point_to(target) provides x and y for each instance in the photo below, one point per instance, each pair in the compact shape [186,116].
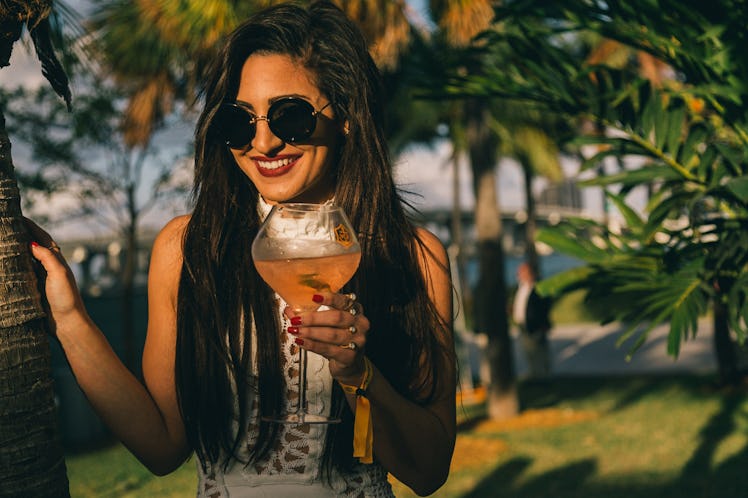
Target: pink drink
[296,280]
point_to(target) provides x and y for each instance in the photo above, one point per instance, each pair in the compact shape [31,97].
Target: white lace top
[292,466]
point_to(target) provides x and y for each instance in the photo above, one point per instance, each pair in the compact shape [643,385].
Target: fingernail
[296,320]
[299,341]
[34,243]
[293,330]
[317,298]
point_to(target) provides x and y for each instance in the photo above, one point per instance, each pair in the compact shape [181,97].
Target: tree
[534,139]
[470,131]
[689,250]
[485,128]
[81,157]
[31,458]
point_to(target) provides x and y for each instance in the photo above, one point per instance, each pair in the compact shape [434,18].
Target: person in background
[292,113]
[531,314]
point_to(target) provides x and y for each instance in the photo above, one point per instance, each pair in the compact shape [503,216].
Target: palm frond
[385,26]
[462,20]
[146,109]
[52,70]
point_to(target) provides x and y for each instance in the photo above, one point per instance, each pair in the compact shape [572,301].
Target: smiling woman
[286,167]
[292,114]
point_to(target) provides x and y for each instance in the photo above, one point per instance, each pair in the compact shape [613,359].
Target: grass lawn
[113,472]
[641,437]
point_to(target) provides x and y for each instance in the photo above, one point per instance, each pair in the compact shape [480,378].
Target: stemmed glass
[300,250]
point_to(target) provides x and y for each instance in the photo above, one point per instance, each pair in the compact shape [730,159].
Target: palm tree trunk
[531,254]
[724,347]
[466,297]
[31,457]
[490,297]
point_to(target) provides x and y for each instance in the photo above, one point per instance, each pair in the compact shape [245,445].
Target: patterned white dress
[292,467]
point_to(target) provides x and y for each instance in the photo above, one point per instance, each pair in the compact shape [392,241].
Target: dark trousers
[537,352]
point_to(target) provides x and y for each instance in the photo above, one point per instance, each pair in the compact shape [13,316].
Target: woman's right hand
[60,289]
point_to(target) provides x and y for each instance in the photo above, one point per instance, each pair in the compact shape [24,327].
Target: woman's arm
[144,417]
[413,442]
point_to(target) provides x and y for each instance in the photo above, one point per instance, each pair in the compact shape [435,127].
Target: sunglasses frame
[268,118]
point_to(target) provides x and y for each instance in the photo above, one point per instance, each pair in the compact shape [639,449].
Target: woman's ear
[346,128]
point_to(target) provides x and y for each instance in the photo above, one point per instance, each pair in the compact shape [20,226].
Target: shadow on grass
[716,468]
[574,481]
[501,482]
[630,389]
[729,478]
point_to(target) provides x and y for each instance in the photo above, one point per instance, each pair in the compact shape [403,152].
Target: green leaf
[570,245]
[668,205]
[631,178]
[706,165]
[676,117]
[661,126]
[649,113]
[739,187]
[556,284]
[632,218]
[696,137]
[733,157]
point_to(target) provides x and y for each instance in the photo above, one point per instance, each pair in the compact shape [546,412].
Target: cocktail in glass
[302,250]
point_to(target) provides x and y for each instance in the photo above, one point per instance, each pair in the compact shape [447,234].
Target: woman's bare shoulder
[169,240]
[432,246]
[172,234]
[166,255]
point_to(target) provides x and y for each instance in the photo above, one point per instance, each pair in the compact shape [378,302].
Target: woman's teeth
[278,163]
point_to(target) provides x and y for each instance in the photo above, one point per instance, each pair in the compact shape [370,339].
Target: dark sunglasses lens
[233,126]
[292,120]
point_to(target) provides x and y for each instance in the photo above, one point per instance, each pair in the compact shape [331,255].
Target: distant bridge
[513,224]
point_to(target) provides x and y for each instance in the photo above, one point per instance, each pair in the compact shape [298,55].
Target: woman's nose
[265,140]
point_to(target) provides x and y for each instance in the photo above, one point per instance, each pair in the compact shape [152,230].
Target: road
[591,349]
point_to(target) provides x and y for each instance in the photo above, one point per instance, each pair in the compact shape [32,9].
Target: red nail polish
[317,298]
[34,243]
[299,341]
[293,330]
[296,320]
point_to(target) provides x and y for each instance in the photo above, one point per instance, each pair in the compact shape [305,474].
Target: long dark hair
[221,295]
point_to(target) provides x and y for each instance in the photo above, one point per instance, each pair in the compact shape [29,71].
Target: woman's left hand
[338,334]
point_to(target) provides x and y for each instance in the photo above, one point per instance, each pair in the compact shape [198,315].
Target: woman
[293,113]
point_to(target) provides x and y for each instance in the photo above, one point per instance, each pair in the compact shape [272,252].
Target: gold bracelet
[363,431]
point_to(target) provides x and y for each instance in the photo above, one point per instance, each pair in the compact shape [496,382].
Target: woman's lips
[275,167]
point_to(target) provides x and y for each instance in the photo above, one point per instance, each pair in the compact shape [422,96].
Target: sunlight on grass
[114,472]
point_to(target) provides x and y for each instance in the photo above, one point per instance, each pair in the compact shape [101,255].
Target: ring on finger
[356,309]
[351,345]
[350,301]
[53,246]
[352,329]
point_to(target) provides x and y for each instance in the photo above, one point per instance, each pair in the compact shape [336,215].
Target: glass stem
[301,408]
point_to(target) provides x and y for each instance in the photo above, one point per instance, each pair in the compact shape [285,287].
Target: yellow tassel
[363,432]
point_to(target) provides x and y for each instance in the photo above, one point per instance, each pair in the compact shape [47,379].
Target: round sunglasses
[291,119]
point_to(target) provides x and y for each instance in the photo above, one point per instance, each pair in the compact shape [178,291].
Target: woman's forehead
[267,75]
